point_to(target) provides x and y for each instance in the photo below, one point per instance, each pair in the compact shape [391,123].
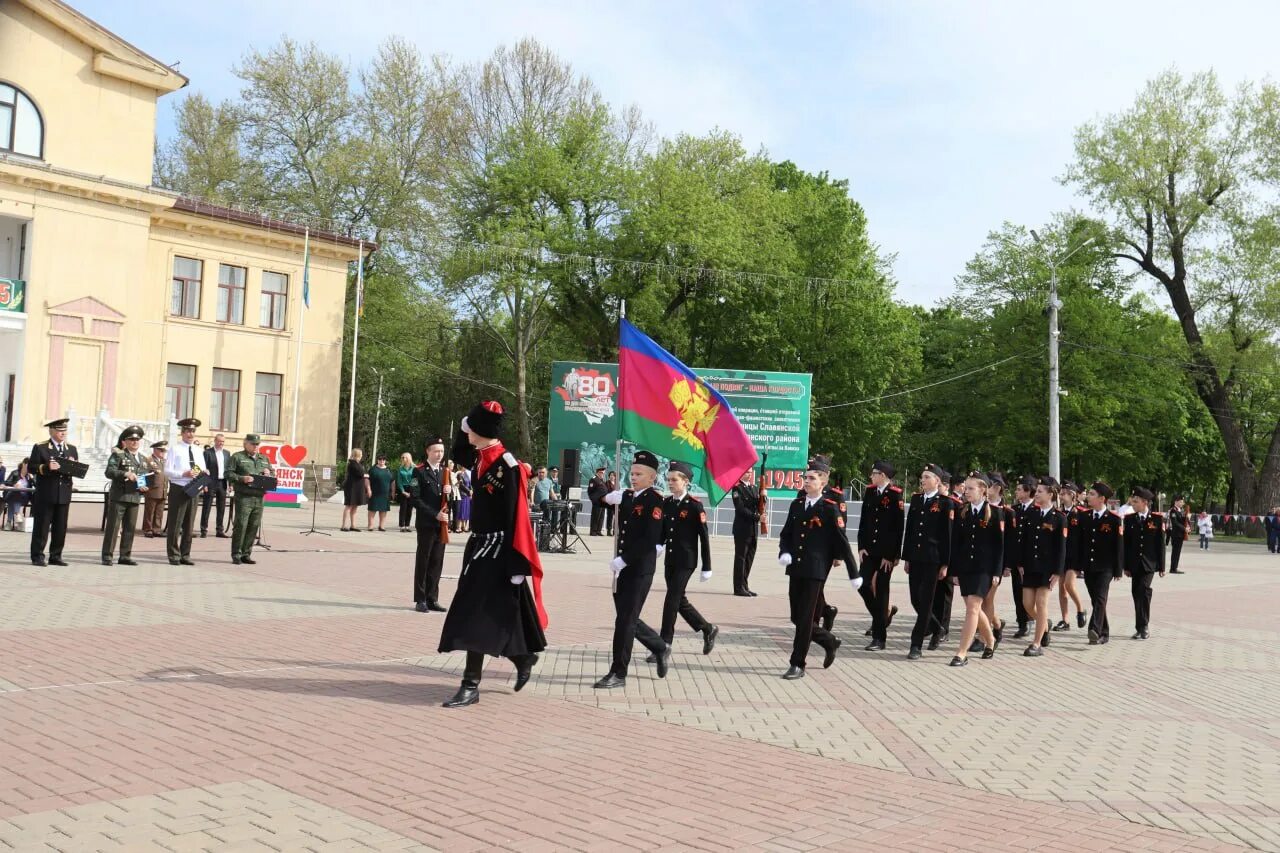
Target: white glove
[516,580]
[661,549]
[617,564]
[614,498]
[705,576]
[856,583]
[784,560]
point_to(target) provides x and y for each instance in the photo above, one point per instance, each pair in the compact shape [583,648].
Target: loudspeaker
[568,470]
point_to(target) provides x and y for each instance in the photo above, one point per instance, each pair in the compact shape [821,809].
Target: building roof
[199,207]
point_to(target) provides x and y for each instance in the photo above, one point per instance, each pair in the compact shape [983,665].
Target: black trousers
[805,594]
[677,604]
[428,563]
[923,582]
[215,494]
[597,519]
[942,597]
[182,519]
[1175,553]
[744,554]
[406,512]
[474,667]
[609,512]
[1141,588]
[1019,608]
[878,601]
[51,527]
[628,601]
[1099,586]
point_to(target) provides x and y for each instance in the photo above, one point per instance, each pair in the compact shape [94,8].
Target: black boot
[524,671]
[468,694]
[709,635]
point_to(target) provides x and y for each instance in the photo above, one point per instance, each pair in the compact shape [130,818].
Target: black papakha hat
[485,419]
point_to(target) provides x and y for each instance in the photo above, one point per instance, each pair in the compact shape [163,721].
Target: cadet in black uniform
[812,540]
[1179,528]
[977,558]
[945,593]
[427,490]
[1069,503]
[52,500]
[1009,560]
[926,550]
[1143,554]
[879,546]
[640,539]
[1044,550]
[1095,543]
[596,490]
[746,521]
[685,535]
[1023,494]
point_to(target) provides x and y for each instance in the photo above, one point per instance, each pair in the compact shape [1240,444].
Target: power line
[1165,360]
[994,364]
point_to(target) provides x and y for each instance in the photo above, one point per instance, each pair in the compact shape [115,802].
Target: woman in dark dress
[497,609]
[380,477]
[355,490]
[1044,552]
[977,559]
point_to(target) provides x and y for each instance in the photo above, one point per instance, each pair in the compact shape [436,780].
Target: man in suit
[746,525]
[879,546]
[127,473]
[812,539]
[429,491]
[596,490]
[1095,547]
[157,492]
[1143,554]
[216,461]
[183,467]
[640,543]
[52,500]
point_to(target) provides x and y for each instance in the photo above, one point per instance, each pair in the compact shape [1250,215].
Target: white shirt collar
[930,495]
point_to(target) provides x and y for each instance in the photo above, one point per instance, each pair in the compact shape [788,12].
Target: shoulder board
[1155,514]
[894,488]
[831,501]
[509,459]
[694,501]
[917,494]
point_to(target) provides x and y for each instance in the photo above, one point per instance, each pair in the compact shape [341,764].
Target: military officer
[1143,554]
[926,550]
[686,537]
[879,546]
[247,499]
[1095,547]
[746,522]
[52,500]
[1179,528]
[813,539]
[181,467]
[128,475]
[953,489]
[157,491]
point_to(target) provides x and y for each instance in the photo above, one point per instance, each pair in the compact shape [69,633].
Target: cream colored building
[139,306]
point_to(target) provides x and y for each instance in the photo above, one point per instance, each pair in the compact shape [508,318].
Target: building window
[275,296]
[231,294]
[266,403]
[184,300]
[21,128]
[180,390]
[225,403]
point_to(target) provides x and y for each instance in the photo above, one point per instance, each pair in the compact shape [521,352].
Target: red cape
[522,535]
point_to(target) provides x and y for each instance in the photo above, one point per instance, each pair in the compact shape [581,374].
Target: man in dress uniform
[945,593]
[181,467]
[127,473]
[746,523]
[596,490]
[157,492]
[216,461]
[1095,546]
[241,469]
[428,491]
[1143,554]
[686,537]
[879,546]
[1179,530]
[640,542]
[52,500]
[1023,494]
[812,540]
[926,551]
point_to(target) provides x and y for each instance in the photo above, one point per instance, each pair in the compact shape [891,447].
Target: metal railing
[102,431]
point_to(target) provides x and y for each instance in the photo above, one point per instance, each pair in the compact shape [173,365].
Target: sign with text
[772,407]
[286,463]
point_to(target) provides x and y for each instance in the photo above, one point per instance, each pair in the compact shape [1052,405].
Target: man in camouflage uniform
[248,499]
[127,472]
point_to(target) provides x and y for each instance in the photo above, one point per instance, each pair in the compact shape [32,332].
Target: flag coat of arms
[668,410]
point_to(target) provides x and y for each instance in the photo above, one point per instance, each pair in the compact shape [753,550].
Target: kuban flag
[668,410]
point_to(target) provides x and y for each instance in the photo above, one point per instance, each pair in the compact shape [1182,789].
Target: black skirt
[488,613]
[975,584]
[1035,580]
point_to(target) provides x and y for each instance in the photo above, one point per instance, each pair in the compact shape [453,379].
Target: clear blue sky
[947,118]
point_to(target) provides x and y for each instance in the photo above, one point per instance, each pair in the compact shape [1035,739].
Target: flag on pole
[667,409]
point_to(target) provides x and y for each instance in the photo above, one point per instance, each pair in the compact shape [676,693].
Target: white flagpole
[355,346]
[302,322]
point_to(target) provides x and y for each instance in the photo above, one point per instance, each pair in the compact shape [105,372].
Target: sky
[946,118]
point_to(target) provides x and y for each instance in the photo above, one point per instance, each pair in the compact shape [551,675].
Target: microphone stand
[315,500]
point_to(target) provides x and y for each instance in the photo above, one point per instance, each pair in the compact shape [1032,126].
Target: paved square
[294,705]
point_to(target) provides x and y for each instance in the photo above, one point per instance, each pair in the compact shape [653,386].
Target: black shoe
[610,681]
[989,653]
[186,561]
[1022,631]
[1141,635]
[464,697]
[976,646]
[999,634]
[663,662]
[248,560]
[875,646]
[420,606]
[58,561]
[793,673]
[434,607]
[1033,652]
[1176,572]
[173,562]
[742,593]
[752,593]
[893,611]
[1102,641]
[106,561]
[39,561]
[1061,626]
[959,661]
[223,535]
[1093,637]
[866,633]
[235,561]
[204,534]
[1044,641]
[934,642]
[829,618]
[830,656]
[709,638]
[126,561]
[523,673]
[914,654]
[1079,618]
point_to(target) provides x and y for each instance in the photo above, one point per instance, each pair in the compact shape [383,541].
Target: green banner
[772,407]
[12,294]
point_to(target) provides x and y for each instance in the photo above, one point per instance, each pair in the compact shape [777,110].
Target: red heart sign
[293,454]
